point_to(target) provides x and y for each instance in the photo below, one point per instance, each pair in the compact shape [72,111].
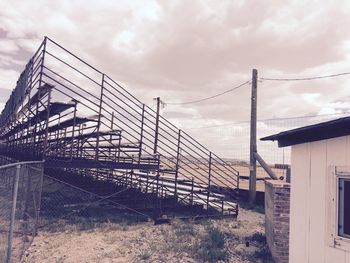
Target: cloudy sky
[188,50]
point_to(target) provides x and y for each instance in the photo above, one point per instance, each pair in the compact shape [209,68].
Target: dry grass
[2,253]
[182,241]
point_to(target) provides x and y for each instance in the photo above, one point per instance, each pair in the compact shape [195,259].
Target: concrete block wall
[277,207]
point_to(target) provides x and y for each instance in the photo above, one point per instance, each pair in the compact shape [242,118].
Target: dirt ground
[221,240]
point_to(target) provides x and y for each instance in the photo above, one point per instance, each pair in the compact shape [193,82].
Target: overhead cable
[211,97]
[271,119]
[307,78]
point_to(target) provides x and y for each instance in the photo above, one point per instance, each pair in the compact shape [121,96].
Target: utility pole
[253,147]
[157,126]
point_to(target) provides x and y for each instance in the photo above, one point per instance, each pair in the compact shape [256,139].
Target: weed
[179,237]
[211,247]
[60,260]
[145,255]
[124,228]
[259,209]
[182,228]
[263,254]
[236,225]
[110,227]
[2,254]
[86,224]
[132,219]
[254,207]
[111,238]
[257,237]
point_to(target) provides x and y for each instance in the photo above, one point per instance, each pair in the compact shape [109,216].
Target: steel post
[13,213]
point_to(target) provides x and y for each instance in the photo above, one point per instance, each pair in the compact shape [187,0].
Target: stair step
[54,109]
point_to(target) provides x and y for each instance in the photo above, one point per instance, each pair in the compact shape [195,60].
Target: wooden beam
[265,166]
[253,147]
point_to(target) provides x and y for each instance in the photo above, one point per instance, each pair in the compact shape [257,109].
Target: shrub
[211,247]
[86,224]
[257,237]
[182,228]
[145,255]
[263,254]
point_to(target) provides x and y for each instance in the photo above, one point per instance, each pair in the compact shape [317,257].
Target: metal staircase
[83,123]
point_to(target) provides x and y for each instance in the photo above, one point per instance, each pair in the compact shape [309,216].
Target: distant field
[222,178]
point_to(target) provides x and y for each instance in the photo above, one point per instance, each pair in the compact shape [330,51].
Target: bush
[257,237]
[183,228]
[264,254]
[86,224]
[145,255]
[211,247]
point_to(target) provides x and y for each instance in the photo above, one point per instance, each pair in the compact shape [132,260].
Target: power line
[270,119]
[307,78]
[211,97]
[261,79]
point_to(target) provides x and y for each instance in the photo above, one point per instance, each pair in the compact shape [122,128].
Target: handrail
[66,50]
[65,63]
[21,163]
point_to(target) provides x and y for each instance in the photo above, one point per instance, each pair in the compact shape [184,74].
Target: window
[344,207]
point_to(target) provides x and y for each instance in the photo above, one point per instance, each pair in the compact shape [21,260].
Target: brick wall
[277,205]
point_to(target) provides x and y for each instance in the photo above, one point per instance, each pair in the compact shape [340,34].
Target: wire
[307,78]
[271,119]
[211,97]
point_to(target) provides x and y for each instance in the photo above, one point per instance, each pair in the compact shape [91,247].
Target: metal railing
[118,127]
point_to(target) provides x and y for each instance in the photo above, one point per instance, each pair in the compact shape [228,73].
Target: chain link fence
[20,198]
[69,197]
[26,192]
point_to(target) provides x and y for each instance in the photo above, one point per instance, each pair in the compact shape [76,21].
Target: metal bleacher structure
[85,125]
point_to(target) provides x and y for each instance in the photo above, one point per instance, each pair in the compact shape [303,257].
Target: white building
[320,192]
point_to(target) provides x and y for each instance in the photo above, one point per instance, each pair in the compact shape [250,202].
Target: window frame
[332,209]
[341,204]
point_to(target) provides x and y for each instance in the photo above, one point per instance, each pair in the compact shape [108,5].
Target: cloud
[187,50]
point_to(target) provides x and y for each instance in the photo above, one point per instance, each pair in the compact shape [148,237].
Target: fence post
[99,119]
[177,161]
[209,183]
[73,128]
[47,125]
[39,91]
[141,133]
[192,189]
[157,205]
[39,198]
[13,213]
[156,128]
[253,148]
[288,173]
